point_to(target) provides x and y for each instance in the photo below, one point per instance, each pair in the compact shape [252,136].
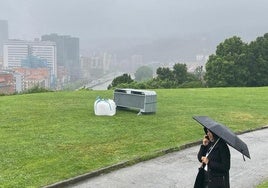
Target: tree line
[234,64]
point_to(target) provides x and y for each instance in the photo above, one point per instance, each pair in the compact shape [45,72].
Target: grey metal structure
[143,100]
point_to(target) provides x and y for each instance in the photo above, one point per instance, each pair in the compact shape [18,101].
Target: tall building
[18,51]
[67,53]
[47,51]
[3,34]
[96,66]
[14,52]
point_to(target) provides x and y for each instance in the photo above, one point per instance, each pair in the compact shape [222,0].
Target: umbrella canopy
[224,133]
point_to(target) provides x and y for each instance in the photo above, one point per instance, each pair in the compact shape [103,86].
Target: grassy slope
[263,185]
[49,137]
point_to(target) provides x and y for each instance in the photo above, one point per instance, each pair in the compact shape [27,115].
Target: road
[103,82]
[102,86]
[178,169]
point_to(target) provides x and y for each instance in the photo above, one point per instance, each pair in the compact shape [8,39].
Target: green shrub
[36,89]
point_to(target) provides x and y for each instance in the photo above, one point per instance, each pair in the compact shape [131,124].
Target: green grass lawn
[263,185]
[49,137]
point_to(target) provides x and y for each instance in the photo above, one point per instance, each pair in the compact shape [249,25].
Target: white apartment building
[46,50]
[15,51]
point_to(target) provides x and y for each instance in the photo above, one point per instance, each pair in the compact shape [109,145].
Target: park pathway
[178,169]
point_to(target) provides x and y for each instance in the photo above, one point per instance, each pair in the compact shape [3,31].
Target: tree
[258,61]
[231,47]
[199,73]
[180,73]
[143,73]
[213,71]
[164,73]
[165,78]
[242,73]
[228,66]
[125,78]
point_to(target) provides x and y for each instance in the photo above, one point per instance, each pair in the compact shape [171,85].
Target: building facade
[7,85]
[1,63]
[48,52]
[27,78]
[68,53]
[96,66]
[14,52]
[3,34]
[17,51]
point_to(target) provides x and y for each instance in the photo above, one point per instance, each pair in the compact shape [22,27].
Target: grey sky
[100,19]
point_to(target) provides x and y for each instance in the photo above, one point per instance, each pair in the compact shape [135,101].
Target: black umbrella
[224,133]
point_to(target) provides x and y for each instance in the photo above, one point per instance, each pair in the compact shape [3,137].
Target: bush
[36,89]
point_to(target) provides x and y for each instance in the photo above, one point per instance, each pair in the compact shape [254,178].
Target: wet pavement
[178,169]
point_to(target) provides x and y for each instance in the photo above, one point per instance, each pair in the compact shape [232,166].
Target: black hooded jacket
[218,165]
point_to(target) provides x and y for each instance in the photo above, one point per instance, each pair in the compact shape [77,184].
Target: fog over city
[160,30]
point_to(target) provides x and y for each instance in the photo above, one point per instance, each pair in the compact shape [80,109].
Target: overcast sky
[99,19]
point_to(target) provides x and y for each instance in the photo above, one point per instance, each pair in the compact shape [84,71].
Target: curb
[123,164]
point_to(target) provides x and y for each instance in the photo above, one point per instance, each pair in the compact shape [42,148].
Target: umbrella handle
[213,146]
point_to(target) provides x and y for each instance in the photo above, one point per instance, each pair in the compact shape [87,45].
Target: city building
[136,62]
[27,78]
[1,62]
[14,52]
[91,67]
[68,54]
[96,66]
[108,61]
[3,34]
[19,52]
[46,51]
[63,77]
[18,82]
[7,85]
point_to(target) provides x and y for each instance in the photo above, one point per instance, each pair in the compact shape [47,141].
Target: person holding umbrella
[214,155]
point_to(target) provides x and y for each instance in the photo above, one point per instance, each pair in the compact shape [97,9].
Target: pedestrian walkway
[178,169]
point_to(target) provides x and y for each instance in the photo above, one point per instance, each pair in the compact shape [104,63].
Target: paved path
[178,169]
